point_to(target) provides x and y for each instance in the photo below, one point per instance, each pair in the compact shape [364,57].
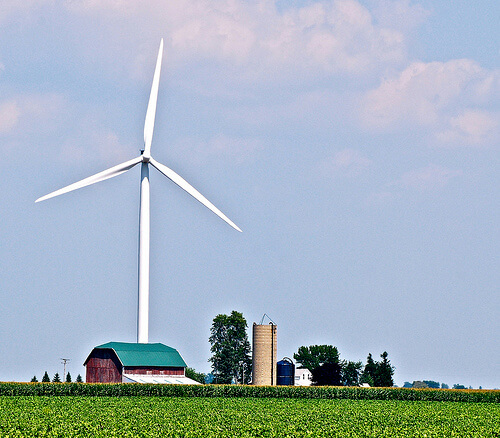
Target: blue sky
[354,142]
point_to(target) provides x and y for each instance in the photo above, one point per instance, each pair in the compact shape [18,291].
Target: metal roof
[143,355]
[164,380]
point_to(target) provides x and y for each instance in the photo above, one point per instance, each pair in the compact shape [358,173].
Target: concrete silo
[264,354]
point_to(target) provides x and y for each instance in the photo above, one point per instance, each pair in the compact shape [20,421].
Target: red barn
[117,362]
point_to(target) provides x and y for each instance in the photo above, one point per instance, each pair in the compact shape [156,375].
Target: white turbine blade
[101,176]
[182,183]
[151,111]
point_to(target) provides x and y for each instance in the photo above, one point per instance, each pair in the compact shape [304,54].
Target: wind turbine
[144,213]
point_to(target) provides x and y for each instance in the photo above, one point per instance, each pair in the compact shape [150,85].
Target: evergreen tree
[369,371]
[378,373]
[351,373]
[79,379]
[46,377]
[68,378]
[384,371]
[56,378]
[34,379]
[230,348]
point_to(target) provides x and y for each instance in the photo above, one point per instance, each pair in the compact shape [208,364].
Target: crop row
[242,417]
[229,391]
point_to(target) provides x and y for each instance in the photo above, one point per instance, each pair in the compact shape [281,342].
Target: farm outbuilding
[117,362]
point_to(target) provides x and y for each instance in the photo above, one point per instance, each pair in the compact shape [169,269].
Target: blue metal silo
[286,372]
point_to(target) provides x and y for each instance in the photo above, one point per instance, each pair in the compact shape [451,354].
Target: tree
[327,374]
[378,373]
[324,363]
[407,385]
[351,373]
[445,386]
[315,355]
[432,383]
[46,377]
[197,377]
[369,371]
[68,378]
[34,379]
[79,379]
[384,371]
[231,349]
[56,378]
[419,384]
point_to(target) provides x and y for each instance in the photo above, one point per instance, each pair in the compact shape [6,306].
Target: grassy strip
[322,392]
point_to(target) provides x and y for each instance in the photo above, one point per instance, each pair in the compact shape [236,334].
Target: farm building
[117,362]
[303,377]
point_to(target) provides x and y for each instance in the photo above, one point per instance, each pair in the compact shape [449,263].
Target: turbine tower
[144,211]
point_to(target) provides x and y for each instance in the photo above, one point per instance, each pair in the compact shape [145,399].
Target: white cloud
[473,127]
[46,115]
[332,36]
[420,92]
[337,36]
[9,115]
[434,94]
[23,115]
[425,179]
[428,178]
[29,111]
[345,163]
[42,106]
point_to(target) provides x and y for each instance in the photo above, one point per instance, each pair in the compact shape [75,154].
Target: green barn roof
[143,355]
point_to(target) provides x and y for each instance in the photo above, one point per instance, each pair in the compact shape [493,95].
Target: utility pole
[64,362]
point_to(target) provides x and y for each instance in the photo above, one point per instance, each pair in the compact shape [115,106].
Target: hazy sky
[356,143]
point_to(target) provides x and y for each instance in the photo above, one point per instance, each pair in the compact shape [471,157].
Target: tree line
[326,367]
[433,384]
[57,378]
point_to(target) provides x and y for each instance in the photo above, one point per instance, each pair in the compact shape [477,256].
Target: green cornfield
[135,416]
[230,391]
